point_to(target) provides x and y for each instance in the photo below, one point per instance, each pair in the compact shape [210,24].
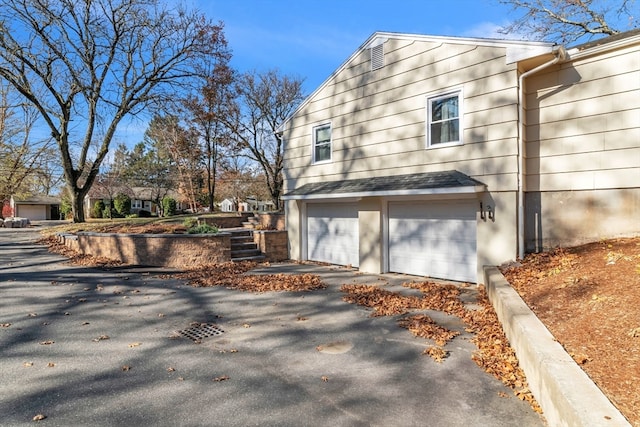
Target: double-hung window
[444,119]
[322,143]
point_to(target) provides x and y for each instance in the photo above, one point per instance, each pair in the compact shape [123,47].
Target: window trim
[314,134]
[440,95]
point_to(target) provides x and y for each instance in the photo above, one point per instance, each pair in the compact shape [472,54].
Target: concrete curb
[566,394]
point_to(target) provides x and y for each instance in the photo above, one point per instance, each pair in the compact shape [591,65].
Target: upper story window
[444,119]
[322,143]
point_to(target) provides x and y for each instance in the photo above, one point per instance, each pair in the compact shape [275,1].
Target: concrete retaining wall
[566,394]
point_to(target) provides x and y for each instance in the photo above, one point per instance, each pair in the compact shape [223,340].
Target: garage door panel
[436,239]
[332,233]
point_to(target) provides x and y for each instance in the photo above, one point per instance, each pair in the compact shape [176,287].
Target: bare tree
[208,109]
[266,99]
[566,21]
[86,64]
[23,158]
[182,146]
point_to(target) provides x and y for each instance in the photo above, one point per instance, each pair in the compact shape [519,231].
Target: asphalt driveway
[86,346]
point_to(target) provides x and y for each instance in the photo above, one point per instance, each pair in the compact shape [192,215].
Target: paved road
[55,359]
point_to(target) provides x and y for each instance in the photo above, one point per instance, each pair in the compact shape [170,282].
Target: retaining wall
[161,250]
[273,244]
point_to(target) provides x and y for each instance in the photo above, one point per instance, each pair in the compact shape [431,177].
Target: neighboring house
[142,198]
[36,208]
[227,205]
[435,156]
[249,205]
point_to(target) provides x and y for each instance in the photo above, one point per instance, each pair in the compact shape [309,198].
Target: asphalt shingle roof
[387,184]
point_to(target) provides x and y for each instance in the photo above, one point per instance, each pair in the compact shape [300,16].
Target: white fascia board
[576,53]
[471,189]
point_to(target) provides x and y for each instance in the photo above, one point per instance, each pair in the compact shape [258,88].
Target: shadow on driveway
[99,347]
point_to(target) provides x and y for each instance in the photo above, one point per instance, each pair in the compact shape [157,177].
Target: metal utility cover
[201,331]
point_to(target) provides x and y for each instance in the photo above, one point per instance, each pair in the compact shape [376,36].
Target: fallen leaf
[437,353]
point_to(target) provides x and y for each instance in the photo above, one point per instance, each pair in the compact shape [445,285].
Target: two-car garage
[419,224]
[436,238]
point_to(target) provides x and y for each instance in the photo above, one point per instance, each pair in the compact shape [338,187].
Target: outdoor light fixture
[490,213]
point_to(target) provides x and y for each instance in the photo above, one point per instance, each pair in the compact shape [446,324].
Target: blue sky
[312,38]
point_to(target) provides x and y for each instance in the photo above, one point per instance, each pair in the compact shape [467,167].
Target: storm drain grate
[201,331]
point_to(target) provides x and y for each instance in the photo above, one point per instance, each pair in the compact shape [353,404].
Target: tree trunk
[77,203]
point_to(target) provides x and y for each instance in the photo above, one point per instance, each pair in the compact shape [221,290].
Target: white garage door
[436,239]
[33,212]
[332,233]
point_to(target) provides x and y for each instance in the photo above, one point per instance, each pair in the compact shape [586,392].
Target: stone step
[241,245]
[256,258]
[240,253]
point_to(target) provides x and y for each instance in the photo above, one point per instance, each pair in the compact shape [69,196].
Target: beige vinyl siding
[378,118]
[583,124]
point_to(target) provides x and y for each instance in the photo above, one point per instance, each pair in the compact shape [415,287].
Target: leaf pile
[494,353]
[383,302]
[232,275]
[424,326]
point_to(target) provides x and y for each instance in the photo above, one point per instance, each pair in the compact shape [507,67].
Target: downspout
[560,55]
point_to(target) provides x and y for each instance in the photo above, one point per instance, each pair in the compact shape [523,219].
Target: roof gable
[516,50]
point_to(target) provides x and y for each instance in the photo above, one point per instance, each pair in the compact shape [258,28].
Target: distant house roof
[37,200]
[446,182]
[137,193]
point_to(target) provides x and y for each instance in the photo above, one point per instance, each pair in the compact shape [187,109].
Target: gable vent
[377,57]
